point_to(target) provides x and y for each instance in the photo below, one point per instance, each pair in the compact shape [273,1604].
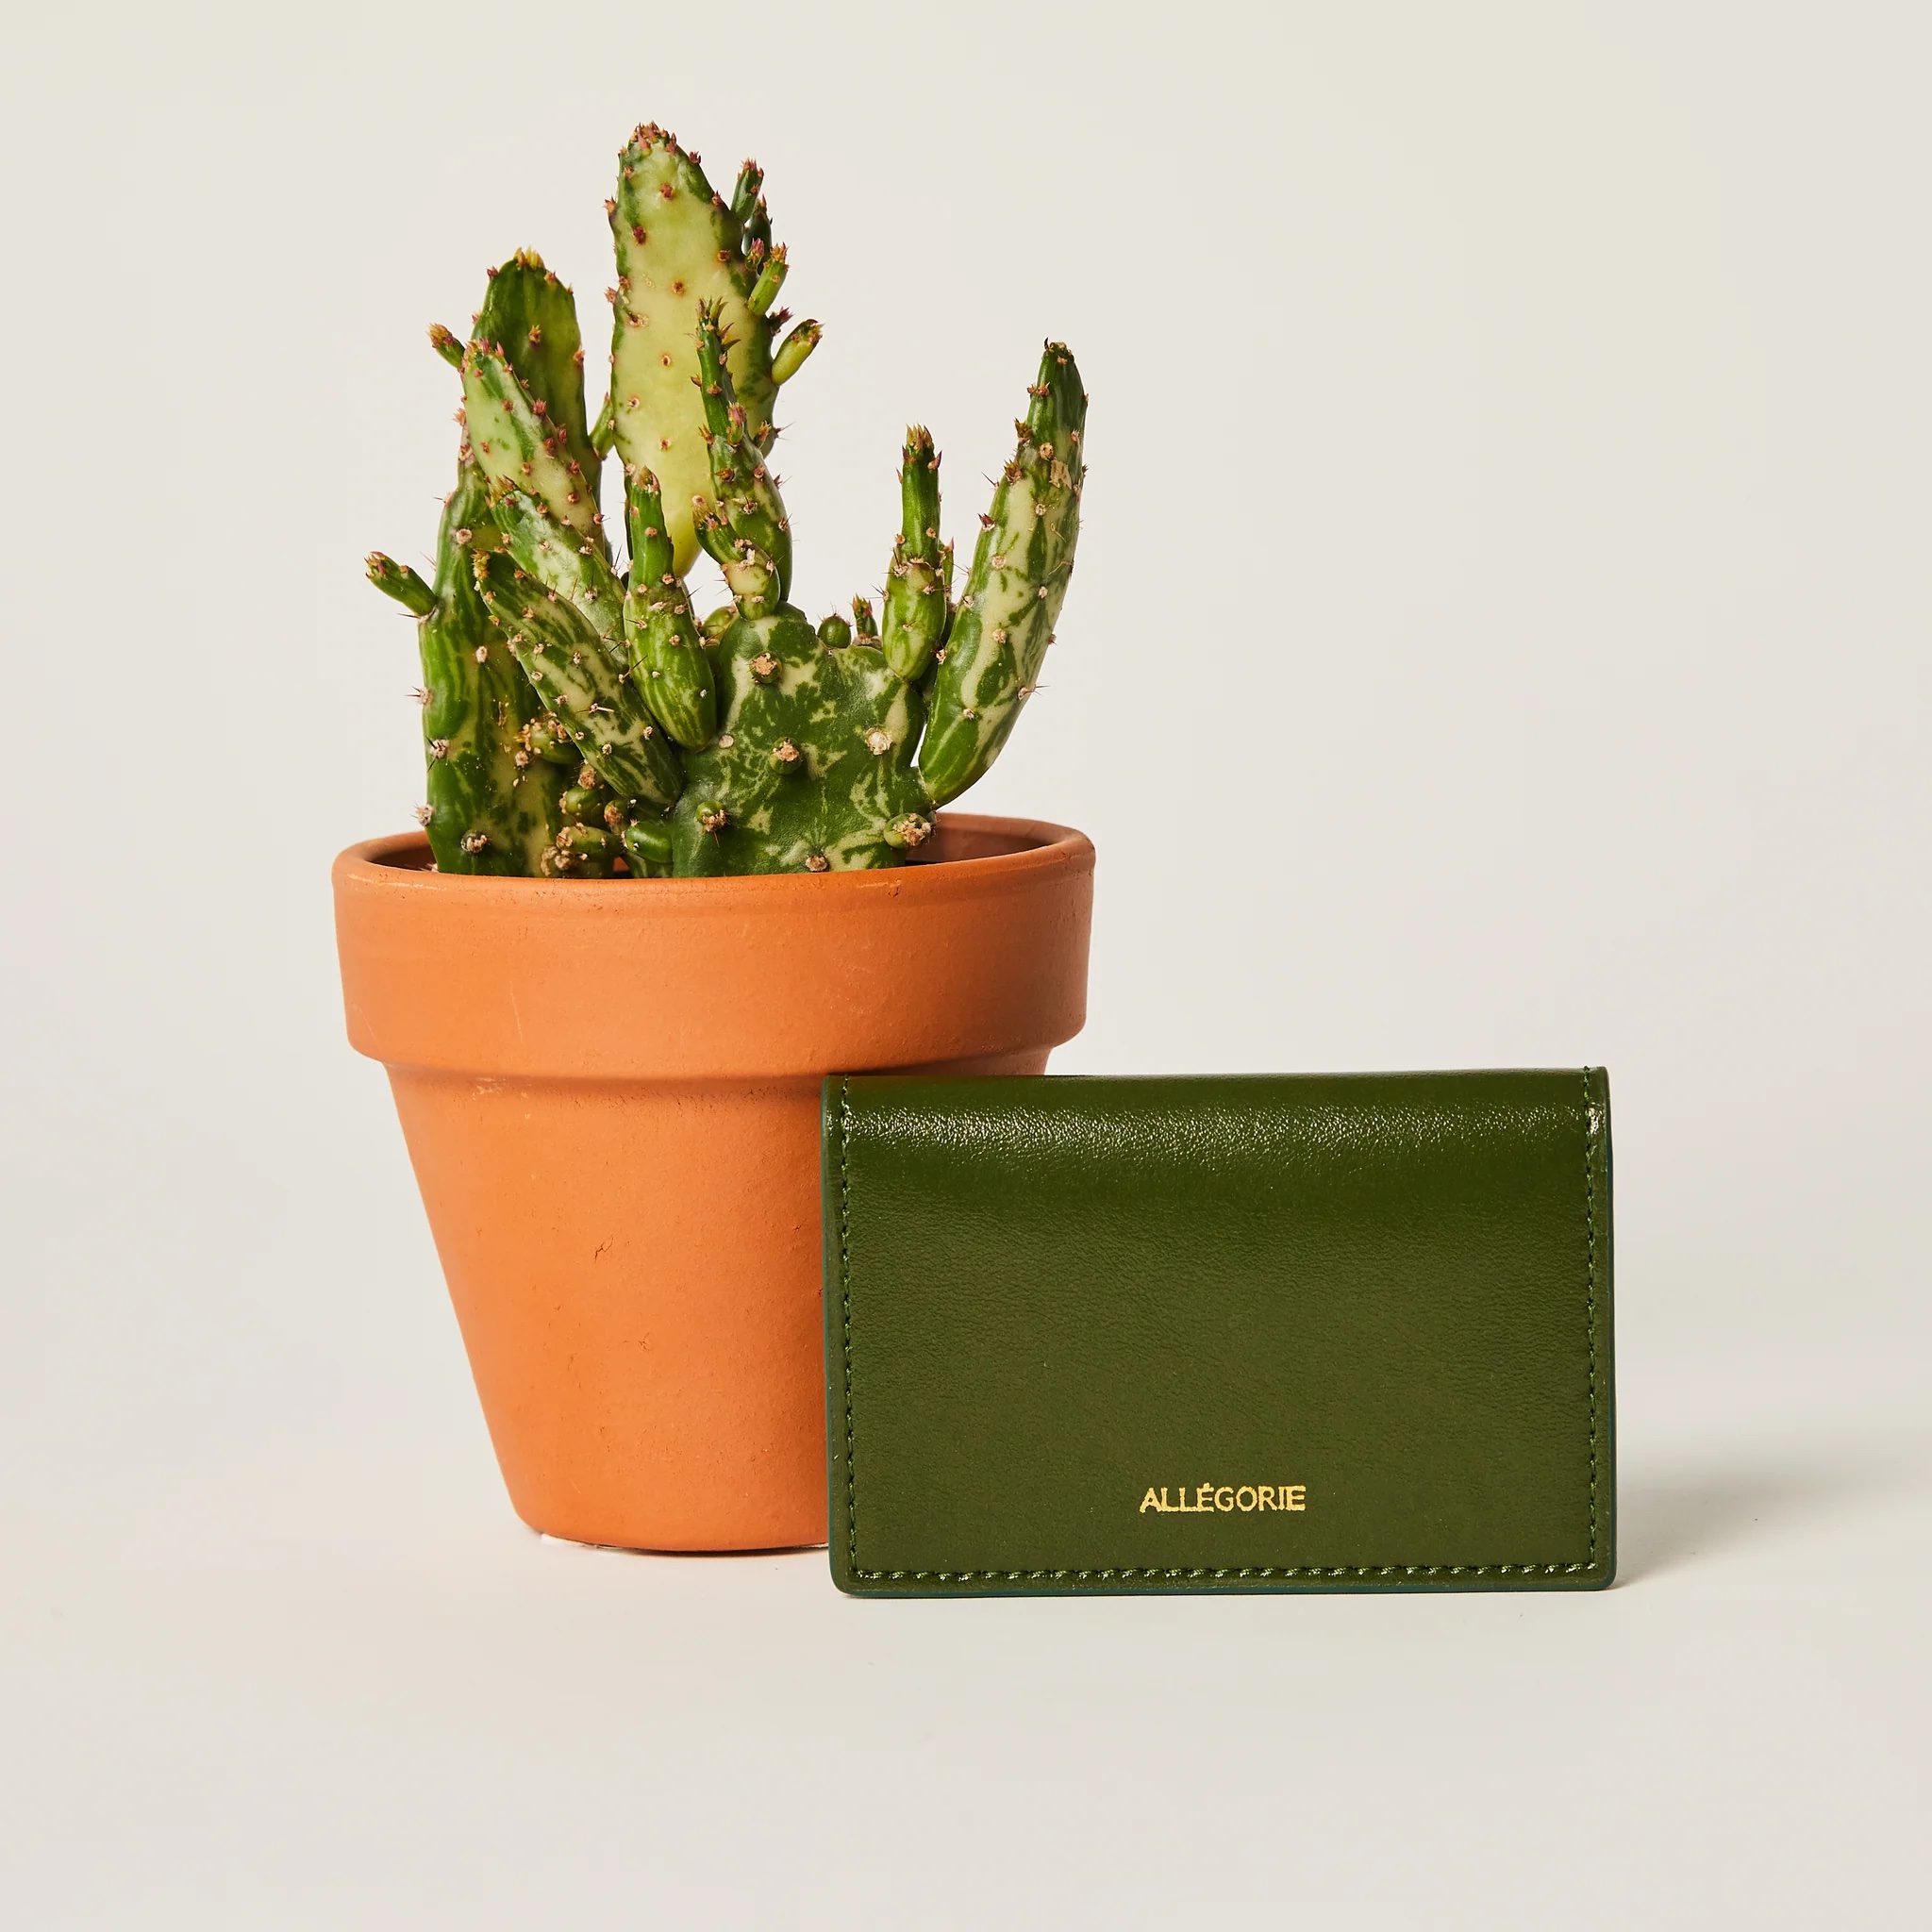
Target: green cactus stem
[771,272]
[492,803]
[746,529]
[1013,595]
[583,686]
[668,662]
[758,219]
[585,852]
[591,840]
[812,769]
[523,395]
[746,191]
[788,359]
[680,247]
[920,582]
[565,565]
[647,536]
[399,581]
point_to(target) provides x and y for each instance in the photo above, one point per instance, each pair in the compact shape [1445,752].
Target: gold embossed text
[1245,1497]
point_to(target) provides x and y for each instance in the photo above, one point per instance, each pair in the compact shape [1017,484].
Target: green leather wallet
[1324,1332]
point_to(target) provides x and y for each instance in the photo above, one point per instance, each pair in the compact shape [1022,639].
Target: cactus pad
[1019,580]
[523,395]
[680,247]
[812,769]
[492,807]
[583,683]
[668,655]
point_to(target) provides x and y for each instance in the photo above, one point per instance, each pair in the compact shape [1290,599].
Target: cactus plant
[579,719]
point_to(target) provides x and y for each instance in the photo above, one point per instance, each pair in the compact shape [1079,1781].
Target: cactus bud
[908,831]
[399,581]
[579,843]
[770,279]
[648,844]
[789,357]
[745,196]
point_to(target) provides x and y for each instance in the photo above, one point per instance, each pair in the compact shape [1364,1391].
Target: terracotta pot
[610,1095]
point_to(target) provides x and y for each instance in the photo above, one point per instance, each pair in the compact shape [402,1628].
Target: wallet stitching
[1589,1292]
[1200,1574]
[846,1311]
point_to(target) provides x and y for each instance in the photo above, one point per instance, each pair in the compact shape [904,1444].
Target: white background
[1500,637]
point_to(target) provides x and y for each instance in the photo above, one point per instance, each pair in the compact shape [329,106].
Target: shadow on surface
[1665,1521]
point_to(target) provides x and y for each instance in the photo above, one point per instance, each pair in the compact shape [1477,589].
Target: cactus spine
[595,728]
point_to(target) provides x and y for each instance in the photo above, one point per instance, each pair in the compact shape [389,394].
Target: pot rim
[772,976]
[394,863]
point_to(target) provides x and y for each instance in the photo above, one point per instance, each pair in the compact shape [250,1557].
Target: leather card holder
[1257,1333]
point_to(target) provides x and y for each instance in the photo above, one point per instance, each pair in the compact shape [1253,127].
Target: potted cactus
[673,870]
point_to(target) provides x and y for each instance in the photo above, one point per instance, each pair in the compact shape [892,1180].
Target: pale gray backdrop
[1500,637]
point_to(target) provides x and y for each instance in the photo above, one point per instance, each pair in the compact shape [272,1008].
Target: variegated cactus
[580,721]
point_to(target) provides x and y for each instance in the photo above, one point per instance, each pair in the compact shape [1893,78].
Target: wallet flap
[1246,1333]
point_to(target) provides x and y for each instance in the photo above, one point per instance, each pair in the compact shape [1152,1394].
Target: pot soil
[611,1096]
